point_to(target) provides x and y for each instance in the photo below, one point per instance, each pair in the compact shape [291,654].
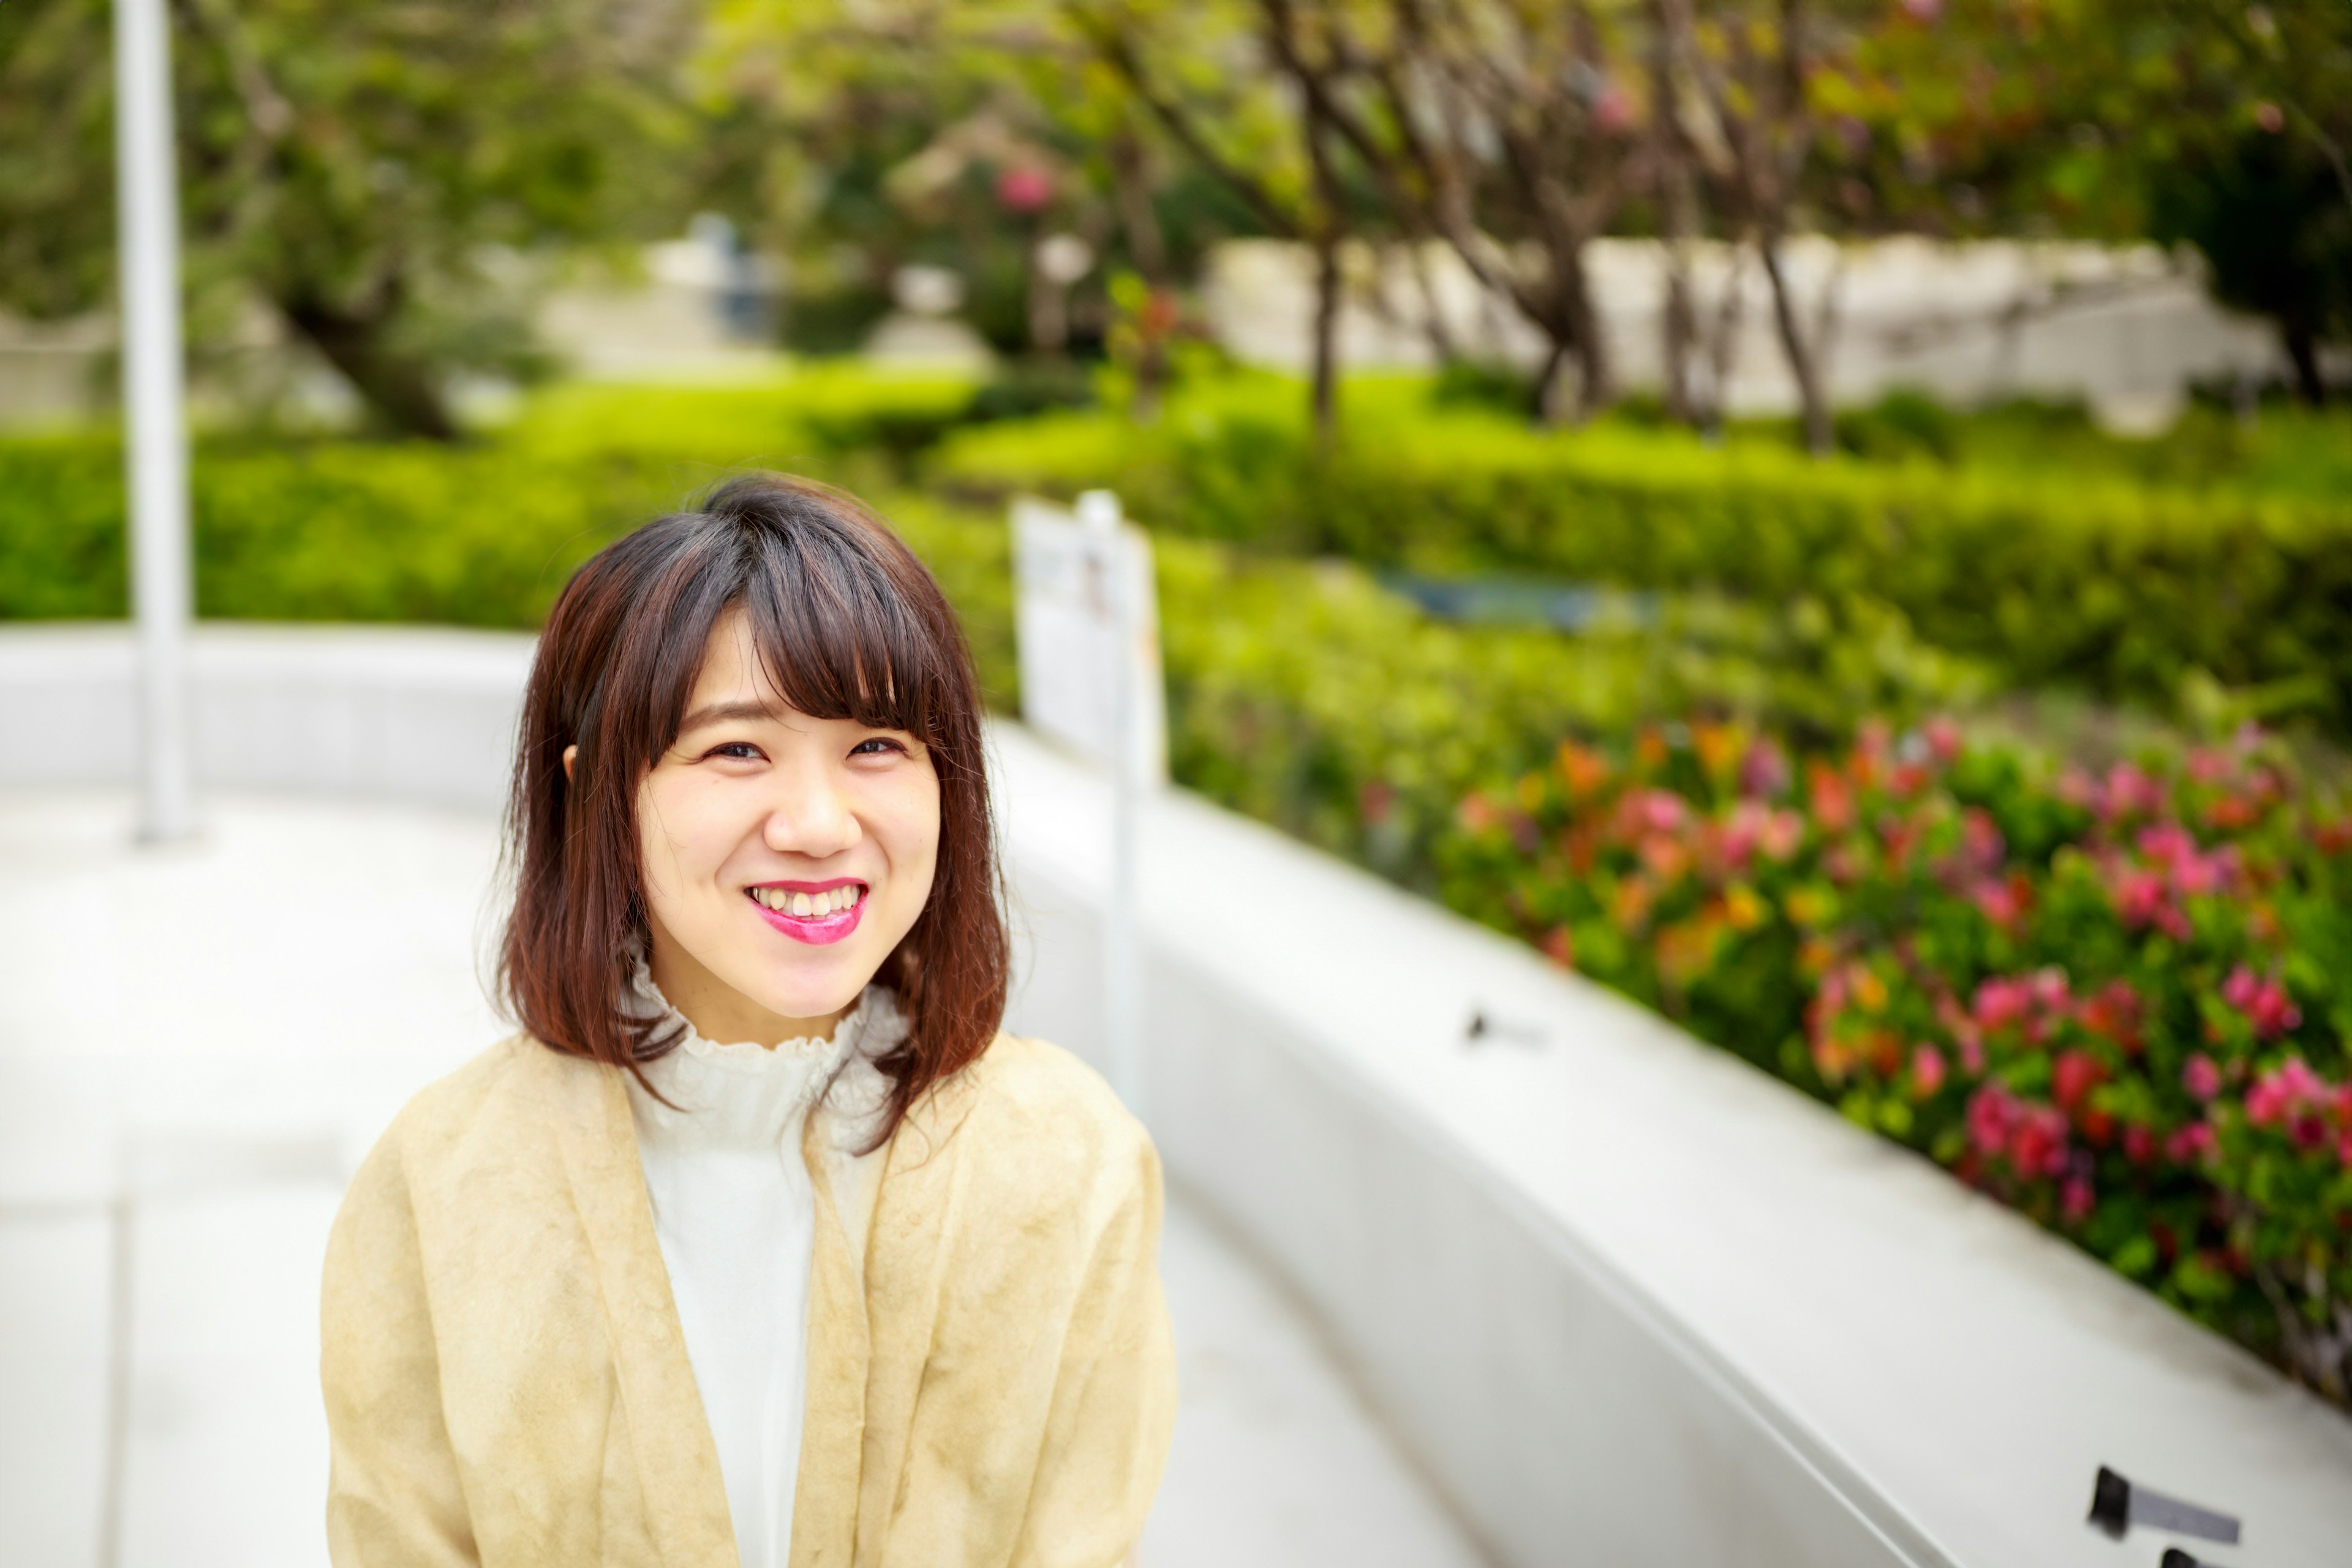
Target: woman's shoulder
[500,1099]
[1035,1115]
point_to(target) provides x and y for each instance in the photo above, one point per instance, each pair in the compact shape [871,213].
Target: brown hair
[848,625]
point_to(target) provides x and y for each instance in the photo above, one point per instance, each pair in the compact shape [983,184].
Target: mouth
[813,912]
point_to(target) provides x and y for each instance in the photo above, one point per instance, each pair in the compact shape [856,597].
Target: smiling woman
[760,1244]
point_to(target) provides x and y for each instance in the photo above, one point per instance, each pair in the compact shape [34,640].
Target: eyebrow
[726,712]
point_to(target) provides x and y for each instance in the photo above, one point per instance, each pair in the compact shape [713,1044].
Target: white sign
[1074,575]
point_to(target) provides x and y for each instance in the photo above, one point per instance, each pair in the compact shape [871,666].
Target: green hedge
[2077,578]
[477,534]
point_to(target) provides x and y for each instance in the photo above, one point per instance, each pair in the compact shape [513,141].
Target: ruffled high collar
[745,1094]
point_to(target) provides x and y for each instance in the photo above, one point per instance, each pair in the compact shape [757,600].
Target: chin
[805,995]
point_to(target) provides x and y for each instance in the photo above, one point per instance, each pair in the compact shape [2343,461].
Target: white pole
[1122,957]
[155,456]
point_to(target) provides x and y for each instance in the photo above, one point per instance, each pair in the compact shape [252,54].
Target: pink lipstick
[811,912]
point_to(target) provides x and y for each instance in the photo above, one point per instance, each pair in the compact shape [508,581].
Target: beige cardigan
[507,1381]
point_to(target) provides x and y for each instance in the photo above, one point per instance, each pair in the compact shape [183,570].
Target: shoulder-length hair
[848,625]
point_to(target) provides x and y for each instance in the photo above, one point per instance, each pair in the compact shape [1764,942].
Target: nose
[809,814]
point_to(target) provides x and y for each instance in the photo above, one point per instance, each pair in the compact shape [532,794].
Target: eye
[738,751]
[876,746]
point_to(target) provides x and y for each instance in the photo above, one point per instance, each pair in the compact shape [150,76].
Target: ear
[570,755]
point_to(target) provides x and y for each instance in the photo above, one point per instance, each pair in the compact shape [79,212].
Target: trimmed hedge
[479,535]
[2083,580]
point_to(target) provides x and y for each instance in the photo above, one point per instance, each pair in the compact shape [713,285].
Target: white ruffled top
[735,1211]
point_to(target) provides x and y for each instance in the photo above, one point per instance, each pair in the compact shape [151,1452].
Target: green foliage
[477,534]
[351,165]
[2122,589]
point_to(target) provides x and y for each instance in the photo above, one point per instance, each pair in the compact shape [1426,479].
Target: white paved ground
[220,1031]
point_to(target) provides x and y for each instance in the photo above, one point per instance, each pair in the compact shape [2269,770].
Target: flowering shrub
[2117,1002]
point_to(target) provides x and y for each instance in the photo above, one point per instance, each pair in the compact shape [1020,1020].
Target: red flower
[2075,1075]
[2038,1145]
[2113,1014]
[1832,800]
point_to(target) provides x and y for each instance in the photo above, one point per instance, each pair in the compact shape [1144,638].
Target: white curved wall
[1627,1300]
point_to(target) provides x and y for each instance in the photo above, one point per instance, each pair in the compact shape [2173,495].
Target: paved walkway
[220,1031]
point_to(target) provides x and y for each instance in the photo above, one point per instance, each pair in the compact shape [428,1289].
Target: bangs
[835,639]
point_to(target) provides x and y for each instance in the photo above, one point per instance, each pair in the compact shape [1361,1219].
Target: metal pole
[1122,958]
[155,456]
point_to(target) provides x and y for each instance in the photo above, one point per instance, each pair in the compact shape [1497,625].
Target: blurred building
[2126,330]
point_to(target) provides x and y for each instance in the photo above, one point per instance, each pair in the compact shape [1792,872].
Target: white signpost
[1087,618]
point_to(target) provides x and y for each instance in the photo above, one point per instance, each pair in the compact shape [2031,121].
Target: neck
[719,1013]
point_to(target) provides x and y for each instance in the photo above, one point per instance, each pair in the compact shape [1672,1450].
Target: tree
[351,164]
[1500,127]
[1201,72]
[2224,127]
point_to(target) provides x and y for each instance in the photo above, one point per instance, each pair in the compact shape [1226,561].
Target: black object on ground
[2116,1505]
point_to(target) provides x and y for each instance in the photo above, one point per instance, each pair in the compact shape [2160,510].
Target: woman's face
[784,857]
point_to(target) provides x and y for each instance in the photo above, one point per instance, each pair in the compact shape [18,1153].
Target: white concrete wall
[1626,1299]
[2126,329]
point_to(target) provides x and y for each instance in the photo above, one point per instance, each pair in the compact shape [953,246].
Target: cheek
[679,832]
[909,825]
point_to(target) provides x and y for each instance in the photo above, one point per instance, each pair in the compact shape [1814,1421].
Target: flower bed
[2118,1003]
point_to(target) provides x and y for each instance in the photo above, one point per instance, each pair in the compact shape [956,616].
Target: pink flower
[2076,1199]
[2130,792]
[1764,771]
[2000,1002]
[2190,1143]
[1783,834]
[2139,1143]
[1981,847]
[2292,1090]
[1943,738]
[1024,188]
[1926,1071]
[1654,811]
[2265,1003]
[1992,1110]
[2139,899]
[2001,902]
[2200,1077]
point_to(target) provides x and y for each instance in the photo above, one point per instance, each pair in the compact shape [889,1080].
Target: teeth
[807,905]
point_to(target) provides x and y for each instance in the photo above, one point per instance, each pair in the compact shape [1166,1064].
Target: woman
[761,1242]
